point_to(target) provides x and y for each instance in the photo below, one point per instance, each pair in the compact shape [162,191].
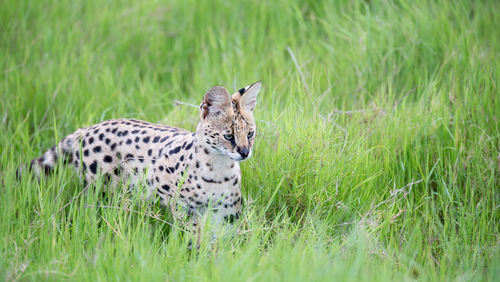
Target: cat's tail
[46,163]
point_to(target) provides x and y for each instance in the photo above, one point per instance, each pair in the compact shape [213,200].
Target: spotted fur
[196,171]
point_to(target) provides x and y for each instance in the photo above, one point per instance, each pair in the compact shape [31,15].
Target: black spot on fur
[156,139]
[129,141]
[210,180]
[150,152]
[101,136]
[166,187]
[113,146]
[97,149]
[146,139]
[93,167]
[231,218]
[175,150]
[107,141]
[91,140]
[189,146]
[84,166]
[107,159]
[86,152]
[47,169]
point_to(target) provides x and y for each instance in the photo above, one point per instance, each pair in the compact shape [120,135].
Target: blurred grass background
[377,153]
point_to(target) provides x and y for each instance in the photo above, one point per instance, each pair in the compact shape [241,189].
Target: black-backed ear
[216,102]
[247,96]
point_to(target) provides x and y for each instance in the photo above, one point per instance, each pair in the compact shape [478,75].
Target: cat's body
[192,170]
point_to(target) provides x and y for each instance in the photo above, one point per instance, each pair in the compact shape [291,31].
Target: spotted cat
[196,171]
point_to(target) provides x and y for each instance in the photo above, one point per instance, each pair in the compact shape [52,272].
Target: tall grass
[377,153]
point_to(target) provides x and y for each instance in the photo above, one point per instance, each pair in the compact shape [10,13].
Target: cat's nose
[243,152]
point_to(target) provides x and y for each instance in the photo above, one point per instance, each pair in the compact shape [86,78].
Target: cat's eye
[228,136]
[250,134]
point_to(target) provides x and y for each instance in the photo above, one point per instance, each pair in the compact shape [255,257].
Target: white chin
[235,157]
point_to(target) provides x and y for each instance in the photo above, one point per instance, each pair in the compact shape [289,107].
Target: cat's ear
[247,97]
[216,102]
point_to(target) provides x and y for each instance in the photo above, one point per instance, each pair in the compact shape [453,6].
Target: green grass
[379,162]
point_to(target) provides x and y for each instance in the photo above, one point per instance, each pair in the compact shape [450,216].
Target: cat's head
[227,124]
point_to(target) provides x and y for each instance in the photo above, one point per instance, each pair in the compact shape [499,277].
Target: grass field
[377,153]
